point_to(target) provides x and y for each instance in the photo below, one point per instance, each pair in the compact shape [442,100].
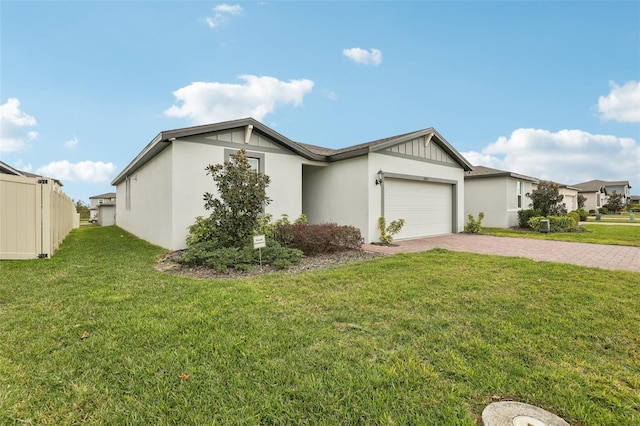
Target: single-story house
[417,176]
[108,199]
[597,192]
[499,194]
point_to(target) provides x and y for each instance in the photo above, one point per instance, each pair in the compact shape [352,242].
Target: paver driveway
[595,255]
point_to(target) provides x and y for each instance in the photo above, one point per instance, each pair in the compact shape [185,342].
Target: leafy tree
[83,209]
[546,198]
[240,200]
[581,201]
[615,203]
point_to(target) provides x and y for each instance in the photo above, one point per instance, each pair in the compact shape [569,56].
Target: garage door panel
[425,207]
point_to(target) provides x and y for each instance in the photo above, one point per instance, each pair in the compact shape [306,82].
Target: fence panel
[35,216]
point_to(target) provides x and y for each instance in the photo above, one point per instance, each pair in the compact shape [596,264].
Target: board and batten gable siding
[148,213]
[418,148]
[418,166]
[193,154]
[337,193]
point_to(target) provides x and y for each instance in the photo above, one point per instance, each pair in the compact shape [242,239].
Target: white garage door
[425,207]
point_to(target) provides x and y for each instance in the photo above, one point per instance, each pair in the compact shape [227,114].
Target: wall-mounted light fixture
[380,177]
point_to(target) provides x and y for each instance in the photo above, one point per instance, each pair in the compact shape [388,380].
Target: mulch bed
[168,263]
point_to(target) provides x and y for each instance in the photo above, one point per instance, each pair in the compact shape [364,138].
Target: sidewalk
[583,254]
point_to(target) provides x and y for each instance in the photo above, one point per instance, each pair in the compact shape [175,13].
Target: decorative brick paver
[594,255]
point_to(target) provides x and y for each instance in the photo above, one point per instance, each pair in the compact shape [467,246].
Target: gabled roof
[310,152]
[598,185]
[488,172]
[107,195]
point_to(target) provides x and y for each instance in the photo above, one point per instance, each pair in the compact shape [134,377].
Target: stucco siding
[337,193]
[490,197]
[190,182]
[148,214]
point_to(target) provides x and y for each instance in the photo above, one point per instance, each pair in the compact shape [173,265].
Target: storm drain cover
[512,413]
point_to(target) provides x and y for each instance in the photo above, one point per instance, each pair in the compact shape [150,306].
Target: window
[255,163]
[256,159]
[519,193]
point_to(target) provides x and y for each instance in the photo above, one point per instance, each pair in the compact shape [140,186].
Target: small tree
[581,201]
[388,231]
[615,203]
[546,198]
[83,209]
[241,198]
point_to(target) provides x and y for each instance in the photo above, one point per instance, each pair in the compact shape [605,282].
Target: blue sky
[548,89]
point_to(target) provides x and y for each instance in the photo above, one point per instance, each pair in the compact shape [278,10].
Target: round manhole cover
[512,413]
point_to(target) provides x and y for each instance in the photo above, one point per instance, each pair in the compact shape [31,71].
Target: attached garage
[427,206]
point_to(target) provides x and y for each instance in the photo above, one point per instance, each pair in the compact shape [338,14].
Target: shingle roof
[104,196]
[595,185]
[311,152]
[483,171]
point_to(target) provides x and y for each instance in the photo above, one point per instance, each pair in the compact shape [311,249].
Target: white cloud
[363,56]
[222,11]
[207,102]
[567,156]
[71,143]
[622,103]
[84,171]
[15,132]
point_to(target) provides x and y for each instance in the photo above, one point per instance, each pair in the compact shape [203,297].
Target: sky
[549,89]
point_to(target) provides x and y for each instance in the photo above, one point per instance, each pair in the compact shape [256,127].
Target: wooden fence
[35,216]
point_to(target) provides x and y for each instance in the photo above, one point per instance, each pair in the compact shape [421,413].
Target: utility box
[544,226]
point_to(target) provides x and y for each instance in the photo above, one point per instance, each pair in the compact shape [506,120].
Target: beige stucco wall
[149,216]
[337,193]
[497,197]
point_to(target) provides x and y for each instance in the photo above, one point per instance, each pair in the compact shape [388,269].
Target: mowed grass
[624,235]
[96,336]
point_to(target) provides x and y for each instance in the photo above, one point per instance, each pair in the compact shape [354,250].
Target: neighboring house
[597,192]
[416,176]
[570,196]
[498,194]
[108,203]
[35,214]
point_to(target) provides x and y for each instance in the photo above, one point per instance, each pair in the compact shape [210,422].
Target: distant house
[417,176]
[499,194]
[597,192]
[103,209]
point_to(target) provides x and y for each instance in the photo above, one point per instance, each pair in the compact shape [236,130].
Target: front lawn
[598,234]
[95,335]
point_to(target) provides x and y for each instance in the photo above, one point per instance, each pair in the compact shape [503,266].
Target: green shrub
[318,239]
[473,226]
[582,213]
[525,215]
[575,216]
[243,259]
[388,231]
[556,223]
[201,231]
[592,212]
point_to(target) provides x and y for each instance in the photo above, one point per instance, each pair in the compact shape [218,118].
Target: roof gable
[251,132]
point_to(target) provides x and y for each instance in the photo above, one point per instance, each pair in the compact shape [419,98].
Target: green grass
[616,218]
[425,338]
[598,234]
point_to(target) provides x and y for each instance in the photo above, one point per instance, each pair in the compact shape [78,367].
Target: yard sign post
[259,241]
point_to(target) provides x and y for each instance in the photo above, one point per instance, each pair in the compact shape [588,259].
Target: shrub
[318,239]
[221,259]
[202,230]
[556,223]
[592,212]
[525,215]
[575,216]
[582,213]
[473,226]
[388,231]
